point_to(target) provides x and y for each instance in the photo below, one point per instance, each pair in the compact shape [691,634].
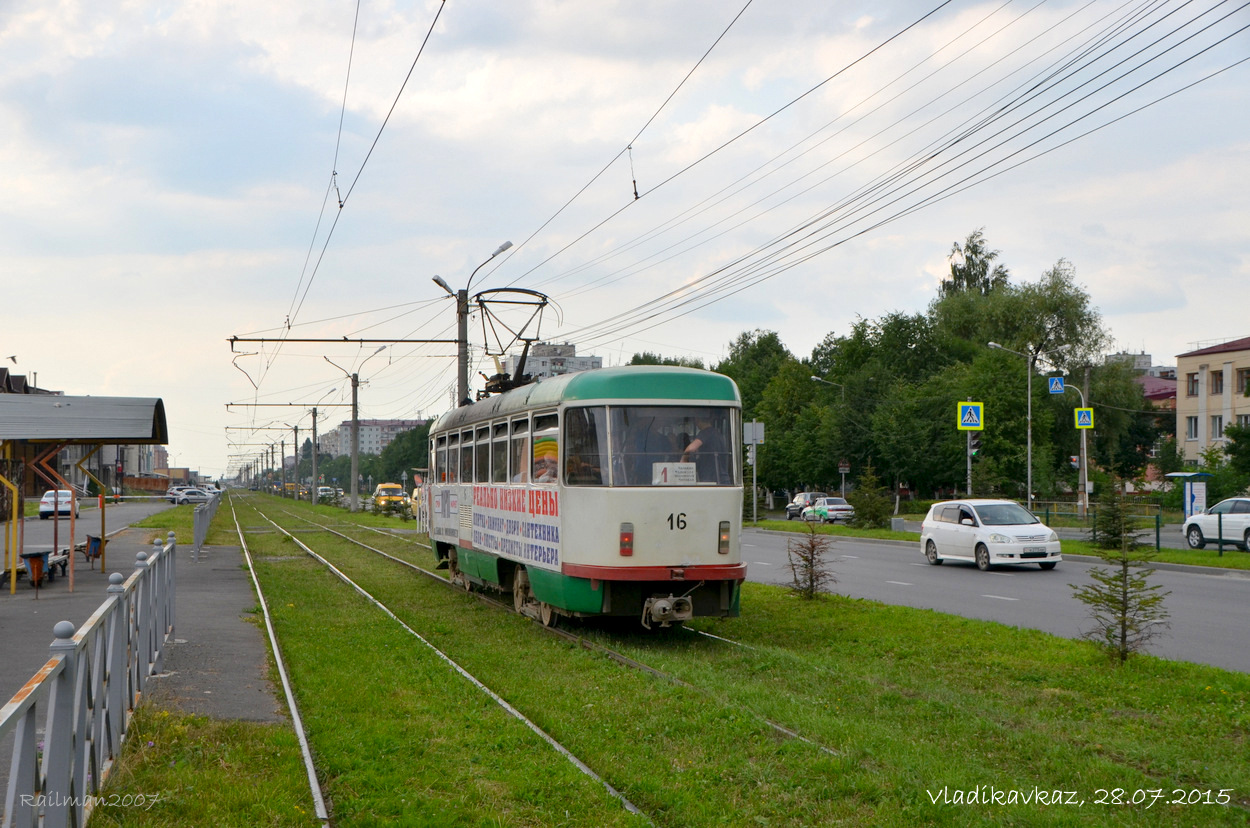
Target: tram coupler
[664,610]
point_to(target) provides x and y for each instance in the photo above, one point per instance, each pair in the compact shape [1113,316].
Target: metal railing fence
[202,517]
[85,695]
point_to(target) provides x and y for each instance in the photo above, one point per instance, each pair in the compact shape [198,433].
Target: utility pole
[296,427]
[355,445]
[282,460]
[312,488]
[462,327]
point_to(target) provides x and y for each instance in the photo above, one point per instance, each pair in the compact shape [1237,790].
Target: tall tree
[648,358]
[754,359]
[973,268]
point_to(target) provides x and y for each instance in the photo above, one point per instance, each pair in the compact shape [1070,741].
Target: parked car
[326,493]
[194,496]
[987,532]
[57,502]
[829,510]
[172,493]
[1231,517]
[801,501]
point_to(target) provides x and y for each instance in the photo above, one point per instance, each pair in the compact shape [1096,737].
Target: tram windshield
[650,446]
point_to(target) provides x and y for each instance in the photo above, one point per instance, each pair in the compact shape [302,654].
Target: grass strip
[920,706]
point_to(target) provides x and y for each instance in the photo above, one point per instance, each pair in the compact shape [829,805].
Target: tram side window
[440,460]
[499,454]
[483,455]
[546,448]
[453,457]
[520,455]
[585,436]
[466,457]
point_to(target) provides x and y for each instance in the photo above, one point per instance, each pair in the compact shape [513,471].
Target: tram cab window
[453,457]
[483,455]
[466,457]
[585,438]
[673,445]
[546,448]
[440,460]
[519,456]
[499,454]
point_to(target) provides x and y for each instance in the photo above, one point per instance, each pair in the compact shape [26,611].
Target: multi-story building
[375,435]
[1211,394]
[549,360]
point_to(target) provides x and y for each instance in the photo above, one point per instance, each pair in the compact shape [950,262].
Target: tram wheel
[520,590]
[547,615]
[456,576]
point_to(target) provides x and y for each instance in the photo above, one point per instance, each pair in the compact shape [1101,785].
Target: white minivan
[987,532]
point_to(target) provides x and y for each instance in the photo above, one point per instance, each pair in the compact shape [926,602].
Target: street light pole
[462,327]
[1031,358]
[1083,500]
[355,378]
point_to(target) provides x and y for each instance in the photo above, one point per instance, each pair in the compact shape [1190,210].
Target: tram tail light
[722,541]
[627,539]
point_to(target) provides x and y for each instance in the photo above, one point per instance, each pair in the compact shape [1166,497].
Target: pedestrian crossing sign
[1085,418]
[1056,385]
[970,418]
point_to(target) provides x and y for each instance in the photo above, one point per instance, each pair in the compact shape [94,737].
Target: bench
[45,562]
[6,573]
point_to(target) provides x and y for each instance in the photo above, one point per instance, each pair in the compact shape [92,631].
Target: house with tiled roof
[1212,393]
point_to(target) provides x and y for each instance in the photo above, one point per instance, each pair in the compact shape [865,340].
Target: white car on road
[57,501]
[1231,517]
[987,532]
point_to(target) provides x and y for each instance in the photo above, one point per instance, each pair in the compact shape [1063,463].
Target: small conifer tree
[808,566]
[1127,611]
[871,501]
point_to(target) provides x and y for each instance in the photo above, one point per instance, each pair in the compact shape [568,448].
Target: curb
[1192,569]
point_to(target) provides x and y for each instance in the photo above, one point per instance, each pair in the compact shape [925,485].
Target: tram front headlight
[627,539]
[722,541]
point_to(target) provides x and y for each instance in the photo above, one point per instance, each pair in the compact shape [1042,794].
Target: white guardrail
[84,697]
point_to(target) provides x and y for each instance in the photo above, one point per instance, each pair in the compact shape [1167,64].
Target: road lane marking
[900,583]
[1000,598]
[856,557]
[760,563]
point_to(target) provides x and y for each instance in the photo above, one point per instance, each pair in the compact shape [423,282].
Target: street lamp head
[438,280]
[994,345]
[501,248]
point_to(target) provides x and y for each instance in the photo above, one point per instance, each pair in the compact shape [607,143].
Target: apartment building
[1211,394]
[375,435]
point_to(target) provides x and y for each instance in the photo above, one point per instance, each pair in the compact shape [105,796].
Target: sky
[670,175]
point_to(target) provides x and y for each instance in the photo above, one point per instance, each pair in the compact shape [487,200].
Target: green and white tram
[609,492]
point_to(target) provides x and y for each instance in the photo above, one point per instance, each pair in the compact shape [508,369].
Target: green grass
[912,701]
[1233,558]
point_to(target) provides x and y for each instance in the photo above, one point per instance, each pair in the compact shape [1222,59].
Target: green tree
[407,451]
[754,359]
[973,268]
[648,358]
[1238,451]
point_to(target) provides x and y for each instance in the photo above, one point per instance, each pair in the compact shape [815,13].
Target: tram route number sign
[673,474]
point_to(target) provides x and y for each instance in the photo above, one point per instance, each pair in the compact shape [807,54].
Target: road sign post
[970,417]
[753,435]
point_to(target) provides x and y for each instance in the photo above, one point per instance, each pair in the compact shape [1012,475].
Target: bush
[871,500]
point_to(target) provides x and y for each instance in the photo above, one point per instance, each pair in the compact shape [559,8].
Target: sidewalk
[217,664]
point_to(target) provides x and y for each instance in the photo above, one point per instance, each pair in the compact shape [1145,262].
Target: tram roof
[627,382]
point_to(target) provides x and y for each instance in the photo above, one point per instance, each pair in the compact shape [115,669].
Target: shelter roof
[55,418]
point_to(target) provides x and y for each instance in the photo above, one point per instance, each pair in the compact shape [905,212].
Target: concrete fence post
[115,658]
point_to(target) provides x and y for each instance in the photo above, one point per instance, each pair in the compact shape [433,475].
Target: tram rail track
[478,684]
[571,637]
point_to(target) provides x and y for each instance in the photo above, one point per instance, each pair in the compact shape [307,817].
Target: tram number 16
[677,521]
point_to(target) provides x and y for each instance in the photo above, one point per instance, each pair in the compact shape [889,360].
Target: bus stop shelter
[49,423]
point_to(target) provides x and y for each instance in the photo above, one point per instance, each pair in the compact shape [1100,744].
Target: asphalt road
[1209,609]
